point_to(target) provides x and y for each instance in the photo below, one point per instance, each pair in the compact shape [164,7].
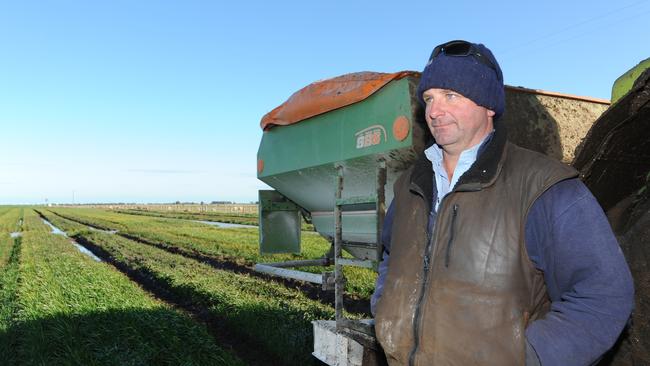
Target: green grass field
[59,307]
[169,291]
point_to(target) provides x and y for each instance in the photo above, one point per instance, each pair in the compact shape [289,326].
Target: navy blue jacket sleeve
[569,238]
[386,233]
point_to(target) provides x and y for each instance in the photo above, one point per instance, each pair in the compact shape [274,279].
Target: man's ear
[490,113]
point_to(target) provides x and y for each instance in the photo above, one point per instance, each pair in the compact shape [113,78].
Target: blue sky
[158,101]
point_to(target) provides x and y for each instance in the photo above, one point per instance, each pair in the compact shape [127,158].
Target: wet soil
[245,348]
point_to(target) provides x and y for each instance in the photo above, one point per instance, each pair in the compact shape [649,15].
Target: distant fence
[234,208]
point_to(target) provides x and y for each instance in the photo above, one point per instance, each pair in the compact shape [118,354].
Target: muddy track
[312,291]
[244,347]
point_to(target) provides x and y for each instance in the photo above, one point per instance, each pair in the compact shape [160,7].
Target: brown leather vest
[465,296]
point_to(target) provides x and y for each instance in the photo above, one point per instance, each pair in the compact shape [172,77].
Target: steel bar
[290,273]
[338,241]
[355,263]
[300,263]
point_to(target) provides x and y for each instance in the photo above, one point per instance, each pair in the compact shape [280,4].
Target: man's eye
[451,95]
[427,100]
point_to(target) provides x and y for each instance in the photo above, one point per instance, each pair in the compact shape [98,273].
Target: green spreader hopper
[340,159]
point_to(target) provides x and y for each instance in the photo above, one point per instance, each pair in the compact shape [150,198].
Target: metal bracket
[356,263]
[279,269]
[328,281]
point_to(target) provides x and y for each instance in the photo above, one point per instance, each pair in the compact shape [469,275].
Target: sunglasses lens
[458,49]
[453,48]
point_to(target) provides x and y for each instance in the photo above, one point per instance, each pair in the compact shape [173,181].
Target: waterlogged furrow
[73,310]
[68,226]
[237,245]
[275,317]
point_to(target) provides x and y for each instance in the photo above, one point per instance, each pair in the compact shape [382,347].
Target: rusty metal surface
[556,94]
[326,95]
[551,123]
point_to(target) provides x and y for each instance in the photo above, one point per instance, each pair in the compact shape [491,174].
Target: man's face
[456,122]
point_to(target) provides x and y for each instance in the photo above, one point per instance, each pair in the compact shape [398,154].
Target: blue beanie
[468,76]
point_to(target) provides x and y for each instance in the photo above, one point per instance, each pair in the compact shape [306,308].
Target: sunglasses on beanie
[461,48]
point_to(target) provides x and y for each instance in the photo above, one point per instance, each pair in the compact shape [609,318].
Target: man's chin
[443,139]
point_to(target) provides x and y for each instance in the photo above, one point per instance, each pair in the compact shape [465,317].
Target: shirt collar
[435,155]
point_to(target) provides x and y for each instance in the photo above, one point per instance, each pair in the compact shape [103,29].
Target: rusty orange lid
[326,95]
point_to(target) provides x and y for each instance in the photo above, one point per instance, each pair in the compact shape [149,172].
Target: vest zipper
[452,230]
[428,250]
[416,320]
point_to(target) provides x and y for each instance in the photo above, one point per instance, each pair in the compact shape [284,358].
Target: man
[495,255]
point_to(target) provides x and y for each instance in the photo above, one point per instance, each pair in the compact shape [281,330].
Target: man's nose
[434,110]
